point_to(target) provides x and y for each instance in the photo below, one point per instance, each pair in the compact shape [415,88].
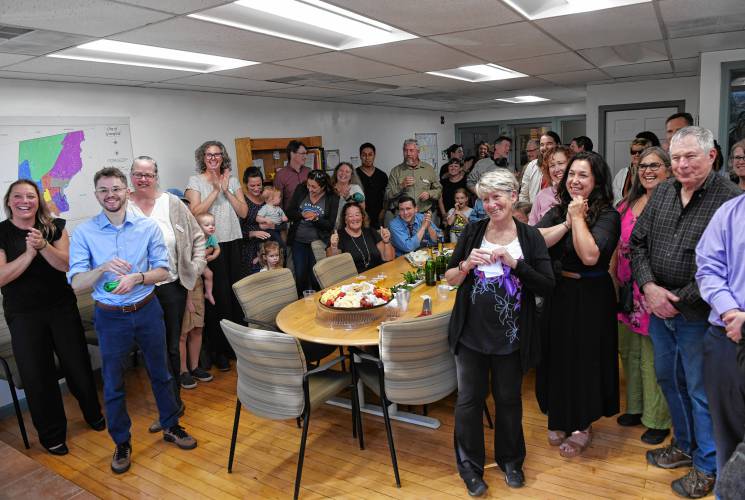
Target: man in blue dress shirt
[128,253]
[411,229]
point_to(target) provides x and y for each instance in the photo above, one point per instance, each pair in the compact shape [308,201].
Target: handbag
[626,298]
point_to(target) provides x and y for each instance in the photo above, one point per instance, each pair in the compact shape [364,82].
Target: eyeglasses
[114,190]
[143,175]
[636,153]
[738,158]
[654,167]
[210,156]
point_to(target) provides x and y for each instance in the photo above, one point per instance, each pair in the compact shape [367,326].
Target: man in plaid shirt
[663,261]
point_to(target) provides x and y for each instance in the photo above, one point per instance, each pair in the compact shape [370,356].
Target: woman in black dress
[500,264]
[368,247]
[42,315]
[578,378]
[253,233]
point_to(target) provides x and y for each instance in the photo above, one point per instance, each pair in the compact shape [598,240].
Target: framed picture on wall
[332,159]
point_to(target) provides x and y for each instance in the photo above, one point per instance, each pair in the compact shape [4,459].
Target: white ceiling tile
[633,23]
[228,82]
[81,17]
[554,63]
[6,59]
[215,39]
[65,78]
[417,54]
[312,92]
[652,68]
[512,41]
[195,88]
[687,65]
[41,42]
[430,17]
[695,17]
[52,66]
[263,72]
[178,6]
[683,48]
[339,63]
[576,77]
[631,53]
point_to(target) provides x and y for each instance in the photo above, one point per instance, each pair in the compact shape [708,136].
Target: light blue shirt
[478,212]
[139,241]
[402,241]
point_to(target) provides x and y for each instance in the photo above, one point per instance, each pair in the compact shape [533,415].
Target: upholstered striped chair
[274,383]
[332,270]
[415,367]
[263,295]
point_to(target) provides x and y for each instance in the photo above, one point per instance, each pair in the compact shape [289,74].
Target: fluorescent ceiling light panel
[522,99]
[479,73]
[541,9]
[308,21]
[133,54]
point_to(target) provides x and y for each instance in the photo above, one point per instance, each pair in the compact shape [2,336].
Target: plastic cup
[402,298]
[308,295]
[442,291]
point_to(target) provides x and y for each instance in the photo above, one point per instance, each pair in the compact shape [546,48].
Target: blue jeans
[117,334]
[303,261]
[679,364]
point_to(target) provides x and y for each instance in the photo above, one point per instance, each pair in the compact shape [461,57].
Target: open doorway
[523,133]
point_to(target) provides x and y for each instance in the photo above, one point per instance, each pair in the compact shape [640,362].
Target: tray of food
[356,296]
[417,258]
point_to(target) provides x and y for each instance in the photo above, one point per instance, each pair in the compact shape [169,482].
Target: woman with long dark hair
[579,379]
[213,190]
[42,315]
[253,232]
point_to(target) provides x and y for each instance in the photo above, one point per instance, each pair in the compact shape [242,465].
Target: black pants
[36,338]
[473,387]
[725,389]
[172,298]
[227,269]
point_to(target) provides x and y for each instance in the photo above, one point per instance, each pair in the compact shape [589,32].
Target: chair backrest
[270,368]
[263,295]
[332,270]
[419,367]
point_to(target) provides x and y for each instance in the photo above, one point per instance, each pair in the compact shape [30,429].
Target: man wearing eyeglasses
[121,256]
[295,173]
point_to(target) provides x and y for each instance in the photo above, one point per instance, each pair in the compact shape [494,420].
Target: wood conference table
[299,320]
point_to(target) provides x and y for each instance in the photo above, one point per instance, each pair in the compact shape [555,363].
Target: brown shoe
[669,457]
[695,484]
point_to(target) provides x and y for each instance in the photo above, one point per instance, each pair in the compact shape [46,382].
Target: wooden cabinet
[273,153]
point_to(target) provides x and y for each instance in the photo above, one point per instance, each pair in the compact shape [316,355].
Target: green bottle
[110,286]
[430,273]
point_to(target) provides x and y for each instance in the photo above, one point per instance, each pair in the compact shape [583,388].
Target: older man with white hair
[663,261]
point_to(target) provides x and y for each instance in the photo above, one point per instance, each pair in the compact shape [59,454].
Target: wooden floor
[613,467]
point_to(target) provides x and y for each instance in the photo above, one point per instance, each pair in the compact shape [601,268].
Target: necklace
[365,261]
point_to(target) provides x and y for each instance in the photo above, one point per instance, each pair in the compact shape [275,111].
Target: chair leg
[424,410]
[343,363]
[235,434]
[388,430]
[488,416]
[16,404]
[356,415]
[301,454]
[299,423]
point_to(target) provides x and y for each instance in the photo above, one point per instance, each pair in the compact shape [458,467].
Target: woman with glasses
[42,315]
[214,191]
[624,177]
[737,163]
[558,159]
[185,242]
[312,213]
[645,403]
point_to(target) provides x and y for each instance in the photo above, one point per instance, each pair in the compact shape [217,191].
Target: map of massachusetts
[51,162]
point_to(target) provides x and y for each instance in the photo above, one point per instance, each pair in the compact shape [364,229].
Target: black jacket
[324,225]
[535,273]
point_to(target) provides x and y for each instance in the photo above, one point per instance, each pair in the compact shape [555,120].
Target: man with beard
[121,256]
[414,178]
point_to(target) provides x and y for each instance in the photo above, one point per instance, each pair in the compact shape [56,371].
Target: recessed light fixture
[133,54]
[479,73]
[521,99]
[307,21]
[541,9]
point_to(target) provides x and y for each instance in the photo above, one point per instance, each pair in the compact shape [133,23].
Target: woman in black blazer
[500,265]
